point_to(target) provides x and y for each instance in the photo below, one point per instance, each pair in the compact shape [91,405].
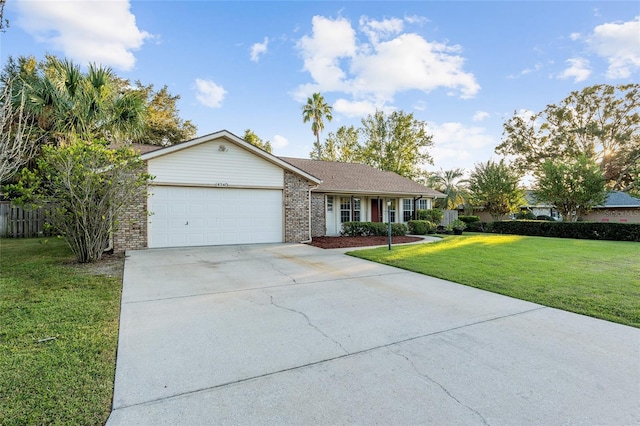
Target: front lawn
[596,278]
[58,336]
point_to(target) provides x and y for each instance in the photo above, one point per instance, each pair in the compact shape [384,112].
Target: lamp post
[389,221]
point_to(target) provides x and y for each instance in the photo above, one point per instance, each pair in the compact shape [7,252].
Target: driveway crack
[312,325]
[445,390]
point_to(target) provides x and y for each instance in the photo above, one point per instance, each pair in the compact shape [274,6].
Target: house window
[392,211]
[329,203]
[407,209]
[345,209]
[356,209]
[423,204]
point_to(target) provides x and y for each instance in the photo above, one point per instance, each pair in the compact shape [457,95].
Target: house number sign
[222,184]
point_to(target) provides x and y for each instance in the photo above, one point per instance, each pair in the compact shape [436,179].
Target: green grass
[596,278]
[69,379]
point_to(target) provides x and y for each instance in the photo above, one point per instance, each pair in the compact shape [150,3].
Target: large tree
[83,187]
[18,138]
[316,110]
[255,140]
[343,146]
[573,187]
[495,187]
[163,125]
[452,184]
[396,142]
[602,122]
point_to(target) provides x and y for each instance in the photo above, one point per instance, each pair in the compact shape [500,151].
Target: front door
[376,211]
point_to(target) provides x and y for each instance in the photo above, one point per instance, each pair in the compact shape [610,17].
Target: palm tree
[69,104]
[450,183]
[315,110]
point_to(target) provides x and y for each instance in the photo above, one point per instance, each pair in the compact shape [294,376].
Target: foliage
[574,187]
[545,217]
[69,378]
[457,225]
[396,143]
[495,186]
[450,183]
[18,140]
[4,23]
[601,121]
[525,215]
[421,227]
[469,219]
[367,229]
[162,124]
[255,140]
[578,230]
[84,187]
[596,278]
[432,215]
[343,146]
[315,110]
[68,104]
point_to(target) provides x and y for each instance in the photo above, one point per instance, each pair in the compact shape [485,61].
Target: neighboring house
[539,208]
[619,207]
[218,189]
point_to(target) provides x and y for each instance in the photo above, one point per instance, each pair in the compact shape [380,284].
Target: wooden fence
[18,222]
[448,217]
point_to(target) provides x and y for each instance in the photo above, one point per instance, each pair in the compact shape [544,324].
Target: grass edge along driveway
[595,278]
[58,336]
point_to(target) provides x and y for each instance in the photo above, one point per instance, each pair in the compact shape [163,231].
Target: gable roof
[360,179]
[230,137]
[620,199]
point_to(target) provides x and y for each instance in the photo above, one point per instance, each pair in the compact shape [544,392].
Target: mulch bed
[340,242]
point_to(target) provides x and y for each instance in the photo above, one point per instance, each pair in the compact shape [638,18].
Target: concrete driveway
[292,334]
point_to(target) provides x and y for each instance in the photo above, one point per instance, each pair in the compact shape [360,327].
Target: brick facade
[296,208]
[318,215]
[131,232]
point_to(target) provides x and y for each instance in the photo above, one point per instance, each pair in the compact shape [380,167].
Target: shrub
[469,219]
[432,215]
[456,225]
[578,230]
[525,215]
[476,226]
[421,227]
[545,217]
[367,229]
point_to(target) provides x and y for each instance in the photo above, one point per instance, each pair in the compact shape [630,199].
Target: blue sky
[463,67]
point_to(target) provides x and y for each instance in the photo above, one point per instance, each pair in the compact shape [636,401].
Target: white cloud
[374,72]
[619,44]
[579,70]
[259,49]
[456,145]
[279,142]
[377,30]
[209,93]
[575,36]
[354,108]
[480,115]
[104,32]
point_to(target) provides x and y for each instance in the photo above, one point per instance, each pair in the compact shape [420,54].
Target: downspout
[310,237]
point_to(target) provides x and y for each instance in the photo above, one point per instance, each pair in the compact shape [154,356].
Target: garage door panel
[183,216]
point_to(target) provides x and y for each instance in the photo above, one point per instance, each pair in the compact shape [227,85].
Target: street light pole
[389,221]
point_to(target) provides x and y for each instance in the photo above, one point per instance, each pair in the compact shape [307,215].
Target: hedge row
[421,227]
[578,230]
[367,229]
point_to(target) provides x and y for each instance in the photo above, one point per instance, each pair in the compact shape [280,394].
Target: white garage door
[183,217]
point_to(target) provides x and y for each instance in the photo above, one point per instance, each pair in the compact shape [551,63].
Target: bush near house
[578,230]
[432,215]
[421,227]
[469,219]
[367,229]
[525,215]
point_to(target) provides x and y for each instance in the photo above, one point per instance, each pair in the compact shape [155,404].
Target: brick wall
[296,208]
[318,215]
[131,232]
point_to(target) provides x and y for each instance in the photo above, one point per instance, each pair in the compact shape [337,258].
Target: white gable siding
[208,164]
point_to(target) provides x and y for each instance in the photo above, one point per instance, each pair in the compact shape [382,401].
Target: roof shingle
[359,178]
